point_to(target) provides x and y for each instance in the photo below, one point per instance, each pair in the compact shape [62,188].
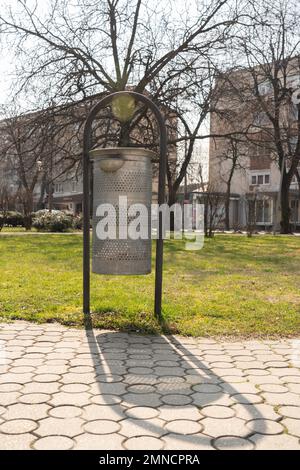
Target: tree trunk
[227,207]
[171,201]
[28,208]
[285,207]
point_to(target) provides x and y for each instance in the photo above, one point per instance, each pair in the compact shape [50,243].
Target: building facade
[46,158]
[244,162]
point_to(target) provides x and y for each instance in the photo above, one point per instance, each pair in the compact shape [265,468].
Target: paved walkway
[63,388]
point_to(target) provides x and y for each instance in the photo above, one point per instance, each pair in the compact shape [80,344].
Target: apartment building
[245,99]
[57,170]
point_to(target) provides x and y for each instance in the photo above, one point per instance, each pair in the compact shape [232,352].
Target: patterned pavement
[63,388]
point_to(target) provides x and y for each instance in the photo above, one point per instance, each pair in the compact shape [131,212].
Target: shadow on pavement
[160,383]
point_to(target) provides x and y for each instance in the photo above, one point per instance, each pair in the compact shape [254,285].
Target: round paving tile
[273,388]
[217,411]
[81,369]
[34,398]
[106,378]
[101,426]
[232,443]
[53,443]
[21,369]
[10,387]
[65,411]
[265,426]
[171,379]
[174,399]
[183,426]
[44,378]
[207,388]
[18,426]
[142,412]
[140,370]
[290,411]
[74,388]
[105,399]
[141,388]
[247,398]
[143,442]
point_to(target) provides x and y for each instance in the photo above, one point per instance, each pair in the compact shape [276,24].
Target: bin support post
[86,165]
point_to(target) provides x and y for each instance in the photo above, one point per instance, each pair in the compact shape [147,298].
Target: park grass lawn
[234,286]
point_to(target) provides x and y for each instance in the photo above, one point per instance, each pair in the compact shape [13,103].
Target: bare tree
[95,46]
[264,81]
[233,155]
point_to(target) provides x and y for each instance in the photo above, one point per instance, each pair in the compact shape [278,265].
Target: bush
[55,221]
[78,222]
[12,219]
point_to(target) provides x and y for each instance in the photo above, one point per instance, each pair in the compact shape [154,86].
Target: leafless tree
[214,202]
[264,81]
[233,157]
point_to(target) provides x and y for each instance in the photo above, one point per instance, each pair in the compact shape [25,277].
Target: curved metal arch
[87,134]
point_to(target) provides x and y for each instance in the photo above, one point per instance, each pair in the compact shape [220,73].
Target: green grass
[234,286]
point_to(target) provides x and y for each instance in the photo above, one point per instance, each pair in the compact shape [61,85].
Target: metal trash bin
[121,172]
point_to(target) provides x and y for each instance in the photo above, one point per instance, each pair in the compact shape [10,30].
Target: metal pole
[86,195]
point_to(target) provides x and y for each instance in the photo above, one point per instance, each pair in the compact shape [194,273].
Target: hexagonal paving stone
[190,442]
[110,412]
[137,427]
[16,441]
[279,442]
[24,411]
[292,426]
[63,427]
[76,399]
[93,442]
[228,427]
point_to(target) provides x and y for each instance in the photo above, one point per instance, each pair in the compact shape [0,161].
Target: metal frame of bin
[87,143]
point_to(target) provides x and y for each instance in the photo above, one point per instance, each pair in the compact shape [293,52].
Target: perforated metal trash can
[121,172]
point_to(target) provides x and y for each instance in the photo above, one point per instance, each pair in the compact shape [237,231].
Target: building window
[59,187]
[261,178]
[263,209]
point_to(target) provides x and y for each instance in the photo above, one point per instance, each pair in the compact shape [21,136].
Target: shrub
[55,221]
[78,222]
[12,219]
